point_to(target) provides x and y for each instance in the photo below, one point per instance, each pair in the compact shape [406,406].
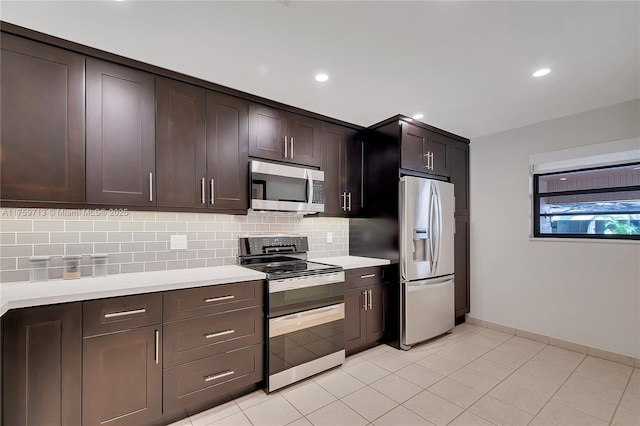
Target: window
[600,202]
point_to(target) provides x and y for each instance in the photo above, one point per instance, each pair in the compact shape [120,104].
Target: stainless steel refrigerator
[426,259]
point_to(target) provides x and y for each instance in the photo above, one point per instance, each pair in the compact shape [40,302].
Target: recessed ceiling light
[541,72]
[563,178]
[418,116]
[322,77]
[636,168]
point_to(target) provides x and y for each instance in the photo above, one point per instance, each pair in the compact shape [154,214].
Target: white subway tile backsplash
[8,264]
[131,247]
[138,241]
[78,225]
[65,237]
[155,226]
[106,226]
[79,249]
[132,226]
[33,238]
[49,250]
[48,225]
[93,237]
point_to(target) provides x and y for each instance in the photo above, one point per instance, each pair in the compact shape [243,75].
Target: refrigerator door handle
[436,229]
[403,222]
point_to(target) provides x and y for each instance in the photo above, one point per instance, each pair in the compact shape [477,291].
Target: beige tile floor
[474,376]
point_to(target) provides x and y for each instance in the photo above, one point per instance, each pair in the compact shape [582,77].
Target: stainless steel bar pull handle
[370,299]
[343,203]
[219,299]
[364,299]
[157,353]
[125,313]
[368,276]
[212,192]
[349,198]
[219,376]
[202,191]
[291,146]
[151,187]
[285,147]
[218,334]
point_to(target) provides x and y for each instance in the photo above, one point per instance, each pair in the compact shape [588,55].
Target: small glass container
[99,261]
[71,267]
[39,268]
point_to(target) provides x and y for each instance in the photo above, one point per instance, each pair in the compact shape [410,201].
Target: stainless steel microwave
[286,188]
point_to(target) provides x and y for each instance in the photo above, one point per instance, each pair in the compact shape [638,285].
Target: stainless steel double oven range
[305,307]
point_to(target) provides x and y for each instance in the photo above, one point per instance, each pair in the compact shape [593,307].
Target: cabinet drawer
[120,313]
[194,302]
[212,378]
[209,335]
[362,277]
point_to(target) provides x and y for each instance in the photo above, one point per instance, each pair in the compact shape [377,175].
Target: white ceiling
[465,65]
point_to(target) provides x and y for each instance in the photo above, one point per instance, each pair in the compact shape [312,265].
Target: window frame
[536,196]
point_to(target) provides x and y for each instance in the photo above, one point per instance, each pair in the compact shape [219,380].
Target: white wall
[580,291]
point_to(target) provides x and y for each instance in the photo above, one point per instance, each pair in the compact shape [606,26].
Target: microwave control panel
[318,193]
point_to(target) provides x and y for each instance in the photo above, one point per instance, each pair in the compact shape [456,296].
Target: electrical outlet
[329,237]
[178,242]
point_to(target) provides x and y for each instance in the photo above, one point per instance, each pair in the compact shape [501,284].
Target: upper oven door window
[304,298]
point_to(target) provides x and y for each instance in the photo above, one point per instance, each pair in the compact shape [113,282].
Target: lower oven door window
[305,336]
[298,299]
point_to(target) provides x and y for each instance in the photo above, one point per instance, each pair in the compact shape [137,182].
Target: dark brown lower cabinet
[461,266]
[42,366]
[122,378]
[192,387]
[366,301]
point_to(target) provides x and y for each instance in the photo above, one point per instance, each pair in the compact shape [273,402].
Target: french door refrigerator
[426,259]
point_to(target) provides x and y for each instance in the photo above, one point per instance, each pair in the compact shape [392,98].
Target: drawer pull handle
[368,276]
[125,313]
[157,353]
[221,333]
[218,376]
[218,299]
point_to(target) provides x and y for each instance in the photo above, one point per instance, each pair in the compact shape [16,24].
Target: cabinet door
[120,135]
[437,146]
[376,312]
[304,137]
[459,168]
[267,130]
[355,202]
[413,145]
[180,144]
[461,266]
[122,378]
[334,164]
[41,363]
[355,326]
[42,128]
[227,152]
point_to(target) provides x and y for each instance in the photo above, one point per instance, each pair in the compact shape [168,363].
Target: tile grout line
[560,387]
[613,416]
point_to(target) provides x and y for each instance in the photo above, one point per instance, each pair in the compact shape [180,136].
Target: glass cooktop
[284,267]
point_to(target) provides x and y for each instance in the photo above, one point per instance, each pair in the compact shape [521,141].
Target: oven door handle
[307,319]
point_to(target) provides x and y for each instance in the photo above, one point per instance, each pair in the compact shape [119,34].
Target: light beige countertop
[26,294]
[352,262]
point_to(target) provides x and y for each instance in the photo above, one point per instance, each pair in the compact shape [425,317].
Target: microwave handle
[309,186]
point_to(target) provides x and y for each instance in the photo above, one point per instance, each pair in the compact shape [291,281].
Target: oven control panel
[273,244]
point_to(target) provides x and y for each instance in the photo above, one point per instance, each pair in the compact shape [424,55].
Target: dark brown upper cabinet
[459,168]
[42,126]
[279,135]
[335,164]
[42,365]
[120,135]
[227,152]
[180,144]
[423,150]
[201,147]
